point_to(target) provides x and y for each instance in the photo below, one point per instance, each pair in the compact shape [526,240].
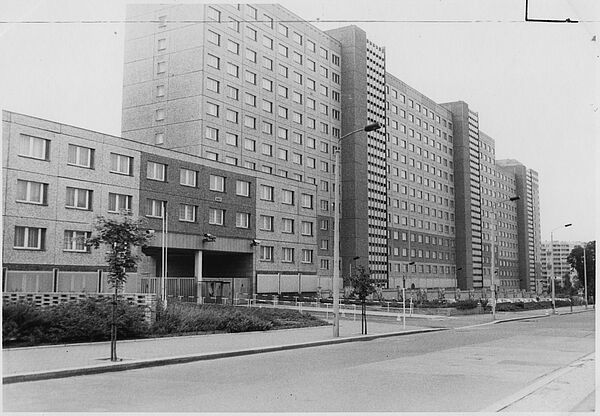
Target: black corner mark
[527,19]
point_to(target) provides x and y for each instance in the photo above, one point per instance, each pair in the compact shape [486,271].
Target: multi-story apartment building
[499,220]
[232,114]
[420,189]
[59,178]
[528,222]
[468,188]
[554,257]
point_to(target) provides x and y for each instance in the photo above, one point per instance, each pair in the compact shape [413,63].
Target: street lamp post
[336,232]
[585,294]
[552,276]
[493,260]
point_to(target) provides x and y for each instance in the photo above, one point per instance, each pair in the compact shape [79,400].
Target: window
[324,244]
[233,47]
[282,111]
[232,92]
[250,99]
[266,253]
[287,197]
[32,192]
[267,84]
[162,21]
[242,188]
[211,133]
[187,213]
[287,225]
[307,201]
[310,84]
[250,144]
[188,177]
[231,116]
[119,202]
[282,91]
[213,14]
[267,42]
[154,208]
[266,223]
[212,85]
[283,50]
[217,183]
[159,115]
[267,149]
[75,241]
[216,216]
[287,255]
[324,225]
[34,147]
[324,264]
[250,77]
[233,69]
[307,228]
[80,156]
[297,97]
[250,121]
[231,139]
[267,127]
[234,24]
[214,38]
[160,91]
[162,44]
[307,256]
[161,67]
[156,171]
[251,55]
[267,63]
[283,154]
[31,238]
[297,158]
[121,164]
[324,205]
[79,198]
[242,219]
[250,33]
[213,61]
[266,193]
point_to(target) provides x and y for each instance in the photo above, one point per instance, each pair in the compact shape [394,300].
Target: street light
[585,294]
[493,263]
[552,277]
[336,232]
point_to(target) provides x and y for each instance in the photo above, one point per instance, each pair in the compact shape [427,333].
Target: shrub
[81,321]
[466,304]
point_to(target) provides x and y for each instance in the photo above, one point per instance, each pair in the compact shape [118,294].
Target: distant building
[554,257]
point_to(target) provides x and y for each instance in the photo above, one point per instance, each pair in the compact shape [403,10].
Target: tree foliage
[120,235]
[362,287]
[575,259]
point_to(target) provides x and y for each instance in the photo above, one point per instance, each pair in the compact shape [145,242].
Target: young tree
[363,286]
[575,259]
[120,235]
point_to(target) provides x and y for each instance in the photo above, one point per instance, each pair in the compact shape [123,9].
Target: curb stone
[155,362]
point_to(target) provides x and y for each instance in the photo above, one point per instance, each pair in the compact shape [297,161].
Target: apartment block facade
[554,258]
[231,117]
[58,179]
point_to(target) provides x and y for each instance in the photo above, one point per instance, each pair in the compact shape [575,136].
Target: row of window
[421,109]
[419,253]
[421,268]
[287,255]
[34,238]
[251,33]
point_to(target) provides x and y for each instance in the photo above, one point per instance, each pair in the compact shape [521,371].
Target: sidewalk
[31,363]
[36,363]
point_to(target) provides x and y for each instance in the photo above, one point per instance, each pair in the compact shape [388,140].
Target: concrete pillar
[198,274]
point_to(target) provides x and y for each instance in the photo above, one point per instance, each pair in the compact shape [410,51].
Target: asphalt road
[462,369]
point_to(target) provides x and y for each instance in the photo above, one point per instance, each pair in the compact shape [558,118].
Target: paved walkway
[30,363]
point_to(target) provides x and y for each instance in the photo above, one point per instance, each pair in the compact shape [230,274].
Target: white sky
[534,85]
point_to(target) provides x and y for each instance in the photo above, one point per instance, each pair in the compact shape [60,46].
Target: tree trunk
[113,328]
[365,315]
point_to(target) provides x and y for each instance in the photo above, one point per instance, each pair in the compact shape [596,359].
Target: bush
[86,320]
[466,304]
